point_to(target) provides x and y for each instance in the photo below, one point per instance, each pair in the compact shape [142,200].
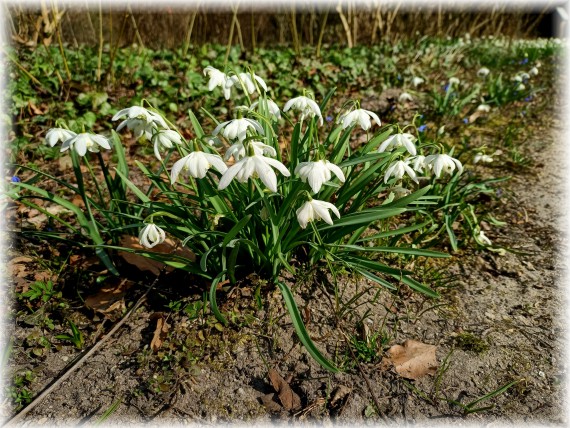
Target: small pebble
[541,374]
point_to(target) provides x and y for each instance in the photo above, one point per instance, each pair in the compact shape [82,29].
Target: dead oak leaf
[289,399]
[160,333]
[110,297]
[145,263]
[413,359]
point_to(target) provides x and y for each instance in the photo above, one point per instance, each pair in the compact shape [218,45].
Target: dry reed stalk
[322,33]
[295,34]
[135,26]
[100,53]
[345,25]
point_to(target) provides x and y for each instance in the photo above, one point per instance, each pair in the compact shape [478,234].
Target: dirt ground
[500,320]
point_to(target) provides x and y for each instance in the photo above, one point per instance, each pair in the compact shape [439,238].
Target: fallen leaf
[159,334]
[17,266]
[269,402]
[144,263]
[289,399]
[413,359]
[110,297]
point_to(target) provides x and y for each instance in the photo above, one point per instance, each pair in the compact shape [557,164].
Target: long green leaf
[235,230]
[302,331]
[213,303]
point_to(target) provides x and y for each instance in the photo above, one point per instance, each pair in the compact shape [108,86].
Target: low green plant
[42,290]
[76,337]
[245,218]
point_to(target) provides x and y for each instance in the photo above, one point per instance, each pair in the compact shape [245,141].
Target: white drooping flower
[482,239]
[416,81]
[454,81]
[533,71]
[84,142]
[307,107]
[219,78]
[520,87]
[404,97]
[237,128]
[238,150]
[318,173]
[483,72]
[140,121]
[197,164]
[271,107]
[484,107]
[443,162]
[165,138]
[418,163]
[360,116]
[316,210]
[397,169]
[245,81]
[253,167]
[151,235]
[398,140]
[480,157]
[55,135]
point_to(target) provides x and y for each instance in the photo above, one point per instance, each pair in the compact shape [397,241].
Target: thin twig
[81,360]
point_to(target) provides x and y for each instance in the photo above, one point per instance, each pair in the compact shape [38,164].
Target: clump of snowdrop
[246,82]
[219,78]
[405,97]
[317,173]
[486,108]
[151,235]
[399,140]
[480,157]
[313,210]
[238,150]
[533,71]
[306,106]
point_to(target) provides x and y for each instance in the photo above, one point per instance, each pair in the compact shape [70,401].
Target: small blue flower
[422,128]
[466,120]
[523,61]
[399,77]
[446,88]
[15,179]
[329,118]
[392,108]
[528,98]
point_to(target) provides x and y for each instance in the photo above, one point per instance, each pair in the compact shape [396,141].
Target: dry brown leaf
[110,297]
[414,359]
[144,263]
[17,266]
[270,404]
[159,334]
[475,116]
[289,399]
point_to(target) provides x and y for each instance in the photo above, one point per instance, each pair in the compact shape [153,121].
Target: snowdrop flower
[140,121]
[307,107]
[254,166]
[517,78]
[404,96]
[416,81]
[316,210]
[418,163]
[151,235]
[484,107]
[443,162]
[483,239]
[197,164]
[237,128]
[533,71]
[318,173]
[218,78]
[238,150]
[398,169]
[271,106]
[524,76]
[360,116]
[398,140]
[244,79]
[520,87]
[55,135]
[83,142]
[483,72]
[165,139]
[454,81]
[480,157]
